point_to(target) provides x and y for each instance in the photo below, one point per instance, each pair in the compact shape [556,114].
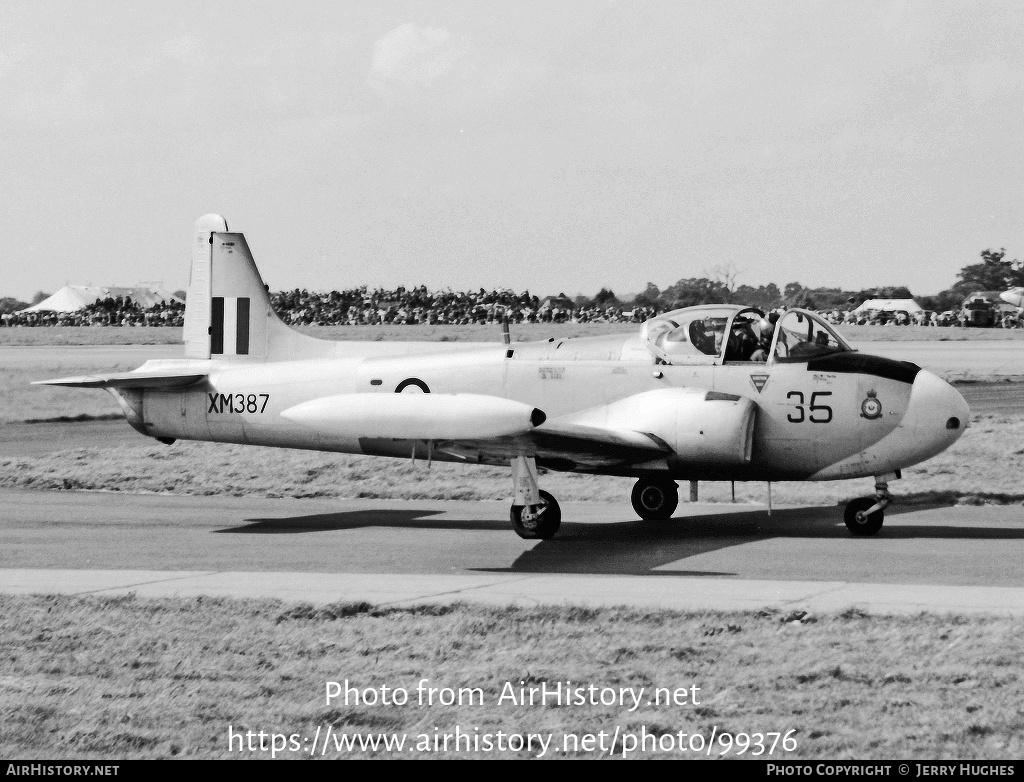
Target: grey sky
[555,146]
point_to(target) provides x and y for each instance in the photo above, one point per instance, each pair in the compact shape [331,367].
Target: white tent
[72,298]
[889,305]
[1014,296]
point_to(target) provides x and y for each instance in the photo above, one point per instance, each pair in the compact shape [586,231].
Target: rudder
[197,302]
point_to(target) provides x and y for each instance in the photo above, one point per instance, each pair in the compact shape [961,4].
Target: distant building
[561,301]
[889,305]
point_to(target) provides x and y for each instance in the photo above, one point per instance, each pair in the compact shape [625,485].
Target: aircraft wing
[172,378]
[565,445]
[477,428]
[692,424]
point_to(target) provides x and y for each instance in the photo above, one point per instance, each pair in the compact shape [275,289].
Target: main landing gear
[864,515]
[535,513]
[655,499]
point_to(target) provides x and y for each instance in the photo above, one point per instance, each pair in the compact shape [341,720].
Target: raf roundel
[871,408]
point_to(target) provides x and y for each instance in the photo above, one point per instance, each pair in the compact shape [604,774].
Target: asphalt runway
[712,556]
[957,545]
[954,360]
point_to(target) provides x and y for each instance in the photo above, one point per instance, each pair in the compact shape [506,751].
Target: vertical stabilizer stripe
[217,325]
[242,327]
[230,321]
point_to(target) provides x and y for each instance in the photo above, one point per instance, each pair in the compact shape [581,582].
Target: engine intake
[702,427]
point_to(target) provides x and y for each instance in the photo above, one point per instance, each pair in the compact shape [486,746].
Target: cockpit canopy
[724,333]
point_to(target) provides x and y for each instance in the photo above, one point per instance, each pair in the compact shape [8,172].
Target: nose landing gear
[864,515]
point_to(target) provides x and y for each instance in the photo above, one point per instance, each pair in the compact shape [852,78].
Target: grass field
[123,678]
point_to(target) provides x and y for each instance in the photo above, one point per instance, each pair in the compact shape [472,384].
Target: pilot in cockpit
[742,342]
[765,332]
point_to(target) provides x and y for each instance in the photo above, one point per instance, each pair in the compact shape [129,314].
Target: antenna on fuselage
[506,337]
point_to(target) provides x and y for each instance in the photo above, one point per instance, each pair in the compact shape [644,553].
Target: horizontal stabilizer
[150,379]
[417,416]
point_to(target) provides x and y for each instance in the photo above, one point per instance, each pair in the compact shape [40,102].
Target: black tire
[655,500]
[544,526]
[870,524]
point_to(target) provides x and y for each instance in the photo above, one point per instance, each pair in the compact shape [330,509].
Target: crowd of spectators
[402,306]
[111,311]
[968,316]
[358,306]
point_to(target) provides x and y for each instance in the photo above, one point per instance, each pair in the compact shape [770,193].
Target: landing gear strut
[864,515]
[535,513]
[654,499]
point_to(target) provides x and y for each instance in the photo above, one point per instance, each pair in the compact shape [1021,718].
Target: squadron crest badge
[871,408]
[759,381]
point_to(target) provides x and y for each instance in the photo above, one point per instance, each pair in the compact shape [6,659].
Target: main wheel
[858,521]
[655,500]
[543,522]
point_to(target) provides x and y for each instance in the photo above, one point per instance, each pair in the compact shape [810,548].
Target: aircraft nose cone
[937,415]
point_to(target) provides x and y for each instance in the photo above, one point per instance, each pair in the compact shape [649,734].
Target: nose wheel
[864,515]
[655,500]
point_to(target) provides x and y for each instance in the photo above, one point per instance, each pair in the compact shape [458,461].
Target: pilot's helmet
[765,329]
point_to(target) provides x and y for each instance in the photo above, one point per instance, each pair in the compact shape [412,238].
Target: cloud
[10,59]
[187,50]
[410,54]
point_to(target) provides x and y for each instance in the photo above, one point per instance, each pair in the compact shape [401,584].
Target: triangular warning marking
[759,381]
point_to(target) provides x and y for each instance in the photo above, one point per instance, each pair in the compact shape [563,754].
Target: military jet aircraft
[708,393]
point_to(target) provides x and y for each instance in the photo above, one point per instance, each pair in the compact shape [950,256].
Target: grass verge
[105,677]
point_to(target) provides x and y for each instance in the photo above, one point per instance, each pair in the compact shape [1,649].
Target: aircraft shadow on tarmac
[356,519]
[633,547]
[637,547]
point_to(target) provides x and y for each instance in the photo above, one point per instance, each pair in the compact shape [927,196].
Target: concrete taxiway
[944,559]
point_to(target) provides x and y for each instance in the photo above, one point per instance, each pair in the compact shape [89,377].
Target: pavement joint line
[460,590]
[839,587]
[196,574]
[539,589]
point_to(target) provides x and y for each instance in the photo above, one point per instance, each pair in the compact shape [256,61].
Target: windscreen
[802,336]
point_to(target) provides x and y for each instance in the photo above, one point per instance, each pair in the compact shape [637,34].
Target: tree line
[994,273]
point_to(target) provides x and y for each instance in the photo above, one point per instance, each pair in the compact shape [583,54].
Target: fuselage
[833,417]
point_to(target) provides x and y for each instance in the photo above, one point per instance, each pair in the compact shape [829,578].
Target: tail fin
[228,314]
